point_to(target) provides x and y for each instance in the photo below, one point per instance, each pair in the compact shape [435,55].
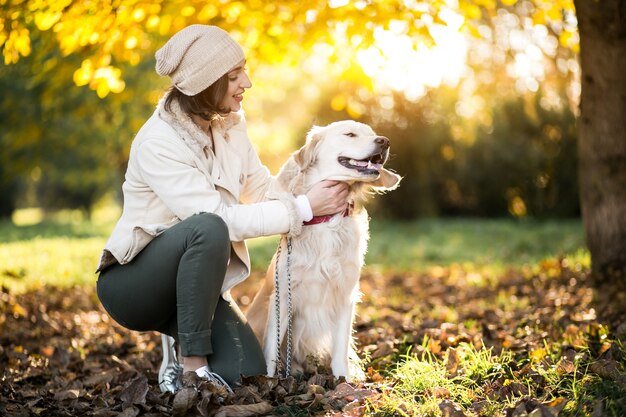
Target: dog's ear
[306,155]
[387,181]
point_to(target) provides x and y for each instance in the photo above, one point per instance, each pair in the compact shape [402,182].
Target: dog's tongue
[366,164]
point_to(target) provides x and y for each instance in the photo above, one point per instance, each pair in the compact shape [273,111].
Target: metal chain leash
[289,310]
[277,307]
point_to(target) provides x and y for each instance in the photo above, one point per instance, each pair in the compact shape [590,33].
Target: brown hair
[205,104]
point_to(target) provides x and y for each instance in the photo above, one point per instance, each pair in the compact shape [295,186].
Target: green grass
[487,245]
[64,249]
[477,243]
[489,384]
[424,381]
[61,249]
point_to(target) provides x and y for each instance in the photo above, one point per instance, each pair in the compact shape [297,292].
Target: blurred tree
[602,137]
[69,146]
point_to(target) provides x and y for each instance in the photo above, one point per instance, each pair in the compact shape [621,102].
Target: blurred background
[479,98]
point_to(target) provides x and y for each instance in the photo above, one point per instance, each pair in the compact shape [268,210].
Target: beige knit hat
[197,56]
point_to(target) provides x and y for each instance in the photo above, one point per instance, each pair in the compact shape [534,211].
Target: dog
[325,260]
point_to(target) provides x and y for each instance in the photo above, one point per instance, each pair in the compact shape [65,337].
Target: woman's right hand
[328,197]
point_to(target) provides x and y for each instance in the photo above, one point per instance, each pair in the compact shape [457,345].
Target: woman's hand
[328,197]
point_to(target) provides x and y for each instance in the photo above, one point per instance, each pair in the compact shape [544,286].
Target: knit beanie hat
[197,56]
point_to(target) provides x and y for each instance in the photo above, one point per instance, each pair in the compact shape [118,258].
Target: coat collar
[194,137]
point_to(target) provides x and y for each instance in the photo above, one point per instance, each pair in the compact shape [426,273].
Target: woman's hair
[205,104]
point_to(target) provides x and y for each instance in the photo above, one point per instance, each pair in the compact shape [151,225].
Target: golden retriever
[326,258]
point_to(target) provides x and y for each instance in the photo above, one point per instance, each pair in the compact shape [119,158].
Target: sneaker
[170,371]
[212,377]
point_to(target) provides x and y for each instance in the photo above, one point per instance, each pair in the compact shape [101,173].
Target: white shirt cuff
[304,207]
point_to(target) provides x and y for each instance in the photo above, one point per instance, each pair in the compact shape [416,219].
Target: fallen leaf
[131,411]
[99,378]
[439,392]
[68,394]
[451,409]
[184,400]
[554,407]
[452,361]
[244,410]
[565,366]
[135,391]
[606,368]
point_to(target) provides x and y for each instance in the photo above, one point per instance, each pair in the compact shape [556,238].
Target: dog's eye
[350,135]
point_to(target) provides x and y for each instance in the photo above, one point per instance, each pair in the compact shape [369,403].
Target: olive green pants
[173,286]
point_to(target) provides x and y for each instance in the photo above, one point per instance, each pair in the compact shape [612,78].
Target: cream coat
[173,173]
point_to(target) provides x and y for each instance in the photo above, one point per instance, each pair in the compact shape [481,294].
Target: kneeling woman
[193,192]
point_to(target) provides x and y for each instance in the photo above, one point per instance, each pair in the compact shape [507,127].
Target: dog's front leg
[342,338]
[272,337]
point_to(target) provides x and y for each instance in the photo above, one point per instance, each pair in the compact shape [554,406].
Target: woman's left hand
[328,197]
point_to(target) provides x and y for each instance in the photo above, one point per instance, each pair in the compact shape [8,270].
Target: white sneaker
[170,371]
[205,372]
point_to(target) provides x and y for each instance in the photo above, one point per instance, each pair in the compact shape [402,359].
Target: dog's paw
[356,374]
[340,368]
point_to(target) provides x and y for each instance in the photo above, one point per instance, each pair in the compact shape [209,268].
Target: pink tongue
[367,164]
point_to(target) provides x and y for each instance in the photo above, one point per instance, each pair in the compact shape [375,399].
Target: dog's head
[347,151]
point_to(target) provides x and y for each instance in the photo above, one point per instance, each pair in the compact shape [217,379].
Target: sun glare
[393,62]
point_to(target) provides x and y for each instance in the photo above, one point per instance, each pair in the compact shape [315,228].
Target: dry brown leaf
[131,411]
[135,391]
[439,392]
[565,366]
[99,378]
[606,368]
[452,361]
[244,410]
[68,394]
[184,400]
[450,409]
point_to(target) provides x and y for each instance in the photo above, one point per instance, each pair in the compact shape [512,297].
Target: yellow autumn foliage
[283,31]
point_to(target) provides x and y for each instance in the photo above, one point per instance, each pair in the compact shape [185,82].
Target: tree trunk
[602,134]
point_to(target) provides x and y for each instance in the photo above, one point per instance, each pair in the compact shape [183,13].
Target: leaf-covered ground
[537,342]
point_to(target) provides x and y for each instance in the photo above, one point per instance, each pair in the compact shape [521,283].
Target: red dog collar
[323,219]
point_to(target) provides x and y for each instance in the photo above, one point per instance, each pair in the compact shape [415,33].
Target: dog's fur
[326,258]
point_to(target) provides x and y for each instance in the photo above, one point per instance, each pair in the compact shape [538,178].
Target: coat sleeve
[171,174]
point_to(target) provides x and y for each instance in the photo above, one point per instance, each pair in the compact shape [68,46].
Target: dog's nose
[381,140]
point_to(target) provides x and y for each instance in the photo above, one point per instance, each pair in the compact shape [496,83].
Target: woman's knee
[210,229]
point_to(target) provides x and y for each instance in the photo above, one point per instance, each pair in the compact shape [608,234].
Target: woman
[194,191]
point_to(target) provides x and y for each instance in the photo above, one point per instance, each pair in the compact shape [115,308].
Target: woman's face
[238,81]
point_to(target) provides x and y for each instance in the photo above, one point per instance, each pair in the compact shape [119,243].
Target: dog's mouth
[368,166]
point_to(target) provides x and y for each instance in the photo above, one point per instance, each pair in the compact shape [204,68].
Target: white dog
[326,258]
